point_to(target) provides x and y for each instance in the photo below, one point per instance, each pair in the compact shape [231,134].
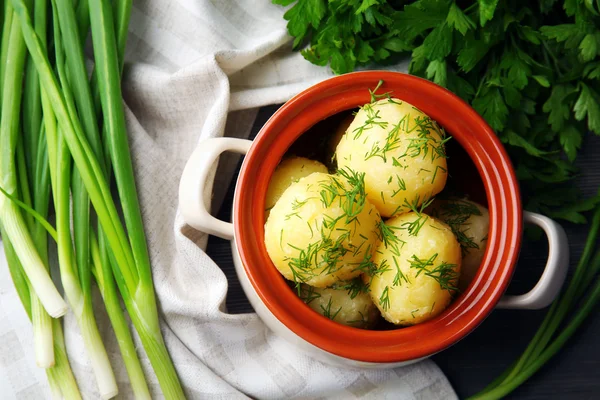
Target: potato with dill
[322,229]
[347,303]
[415,268]
[470,223]
[401,151]
[287,172]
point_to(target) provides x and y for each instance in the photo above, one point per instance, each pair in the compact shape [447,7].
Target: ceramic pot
[481,163]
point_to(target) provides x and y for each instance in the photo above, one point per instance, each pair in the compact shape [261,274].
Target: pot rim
[493,165]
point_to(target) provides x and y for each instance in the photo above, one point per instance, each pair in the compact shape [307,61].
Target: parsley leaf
[587,105]
[456,19]
[486,10]
[302,16]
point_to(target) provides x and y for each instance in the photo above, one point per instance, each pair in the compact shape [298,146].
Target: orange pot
[486,173]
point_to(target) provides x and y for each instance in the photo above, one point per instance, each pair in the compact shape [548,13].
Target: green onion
[549,338]
[102,272]
[143,302]
[125,254]
[76,281]
[13,223]
[34,145]
[60,375]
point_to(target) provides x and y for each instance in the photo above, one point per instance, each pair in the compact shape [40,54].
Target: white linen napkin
[198,69]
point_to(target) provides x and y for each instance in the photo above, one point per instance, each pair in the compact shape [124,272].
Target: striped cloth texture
[197,69]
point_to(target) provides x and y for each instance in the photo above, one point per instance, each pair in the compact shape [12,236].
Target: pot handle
[193,182]
[553,277]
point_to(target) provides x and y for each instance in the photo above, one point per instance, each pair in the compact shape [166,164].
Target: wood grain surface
[472,363]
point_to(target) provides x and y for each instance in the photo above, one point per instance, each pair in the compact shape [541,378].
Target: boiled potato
[470,223]
[321,229]
[287,172]
[347,303]
[400,150]
[418,265]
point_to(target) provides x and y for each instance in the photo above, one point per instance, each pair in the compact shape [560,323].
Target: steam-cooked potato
[470,223]
[417,269]
[401,151]
[347,303]
[321,229]
[287,172]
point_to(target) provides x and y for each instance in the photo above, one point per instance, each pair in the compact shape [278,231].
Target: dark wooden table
[475,361]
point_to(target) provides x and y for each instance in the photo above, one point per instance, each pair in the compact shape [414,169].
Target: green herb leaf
[570,140]
[486,10]
[587,105]
[458,20]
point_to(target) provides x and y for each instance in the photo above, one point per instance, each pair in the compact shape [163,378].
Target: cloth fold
[198,69]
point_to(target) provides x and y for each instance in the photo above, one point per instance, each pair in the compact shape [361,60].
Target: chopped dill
[307,293]
[384,299]
[438,167]
[399,277]
[354,287]
[386,234]
[373,119]
[401,186]
[296,204]
[392,142]
[388,95]
[417,207]
[327,310]
[294,214]
[445,273]
[363,321]
[456,213]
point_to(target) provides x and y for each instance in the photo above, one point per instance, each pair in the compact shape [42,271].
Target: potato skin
[310,241]
[337,304]
[401,151]
[470,223]
[411,296]
[287,172]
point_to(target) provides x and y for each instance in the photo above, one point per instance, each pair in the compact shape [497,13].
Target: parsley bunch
[530,69]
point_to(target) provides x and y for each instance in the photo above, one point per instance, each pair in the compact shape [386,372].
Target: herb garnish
[384,299]
[444,273]
[307,293]
[417,207]
[455,214]
[324,255]
[327,312]
[354,287]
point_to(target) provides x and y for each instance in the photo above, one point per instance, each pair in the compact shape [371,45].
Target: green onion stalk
[100,266]
[42,322]
[549,339]
[60,376]
[76,281]
[131,266]
[141,301]
[14,226]
[35,157]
